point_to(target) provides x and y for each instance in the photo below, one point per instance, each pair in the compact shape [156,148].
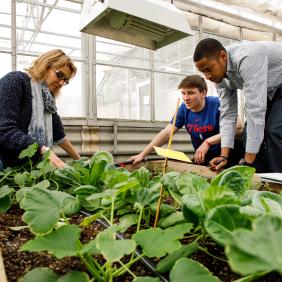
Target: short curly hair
[208,47]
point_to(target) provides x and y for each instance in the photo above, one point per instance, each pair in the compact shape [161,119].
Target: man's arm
[160,139]
[253,70]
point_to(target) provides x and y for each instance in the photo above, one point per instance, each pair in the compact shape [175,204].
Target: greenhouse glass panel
[5,60]
[5,26]
[121,54]
[166,94]
[40,29]
[176,57]
[123,93]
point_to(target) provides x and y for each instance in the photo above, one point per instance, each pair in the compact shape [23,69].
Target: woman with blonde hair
[28,112]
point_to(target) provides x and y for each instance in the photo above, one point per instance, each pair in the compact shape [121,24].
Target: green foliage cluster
[246,222]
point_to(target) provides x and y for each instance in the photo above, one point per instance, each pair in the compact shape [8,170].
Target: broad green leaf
[23,179]
[247,197]
[44,166]
[127,221]
[190,216]
[246,173]
[89,219]
[74,276]
[106,193]
[96,171]
[189,270]
[251,212]
[222,220]
[256,250]
[42,210]
[157,242]
[166,264]
[68,204]
[101,156]
[5,203]
[89,205]
[44,274]
[90,247]
[165,209]
[169,181]
[36,173]
[144,197]
[216,195]
[234,181]
[5,198]
[171,220]
[194,202]
[189,183]
[146,279]
[61,242]
[113,177]
[268,203]
[21,193]
[29,151]
[86,190]
[44,184]
[142,175]
[112,249]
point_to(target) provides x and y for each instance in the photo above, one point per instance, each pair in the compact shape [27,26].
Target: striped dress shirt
[255,68]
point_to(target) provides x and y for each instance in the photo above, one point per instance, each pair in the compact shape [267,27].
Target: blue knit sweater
[15,115]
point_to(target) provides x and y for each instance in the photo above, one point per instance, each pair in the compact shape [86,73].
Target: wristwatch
[244,162]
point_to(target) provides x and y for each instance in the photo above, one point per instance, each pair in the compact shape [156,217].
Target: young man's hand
[136,159]
[200,154]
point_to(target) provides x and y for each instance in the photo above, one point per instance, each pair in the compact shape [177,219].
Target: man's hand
[200,154]
[136,159]
[218,163]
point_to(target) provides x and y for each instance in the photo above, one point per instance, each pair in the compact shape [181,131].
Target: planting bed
[220,229]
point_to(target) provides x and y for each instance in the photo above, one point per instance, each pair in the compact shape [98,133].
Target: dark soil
[18,263]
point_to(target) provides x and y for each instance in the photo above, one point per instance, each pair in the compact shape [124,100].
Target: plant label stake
[165,164]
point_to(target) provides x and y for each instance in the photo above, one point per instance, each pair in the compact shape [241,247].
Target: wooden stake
[165,164]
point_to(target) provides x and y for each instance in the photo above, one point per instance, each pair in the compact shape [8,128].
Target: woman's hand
[53,158]
[200,154]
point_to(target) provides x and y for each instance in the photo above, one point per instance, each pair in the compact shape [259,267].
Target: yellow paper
[172,154]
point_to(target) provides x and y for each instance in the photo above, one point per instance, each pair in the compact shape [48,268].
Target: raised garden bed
[197,238]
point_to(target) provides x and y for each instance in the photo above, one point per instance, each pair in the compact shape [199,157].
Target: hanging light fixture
[150,24]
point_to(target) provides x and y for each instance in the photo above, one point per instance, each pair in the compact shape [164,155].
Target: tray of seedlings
[94,220]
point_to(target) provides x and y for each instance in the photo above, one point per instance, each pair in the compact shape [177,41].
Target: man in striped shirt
[255,68]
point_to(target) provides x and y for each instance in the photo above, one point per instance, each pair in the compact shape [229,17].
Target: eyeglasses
[61,76]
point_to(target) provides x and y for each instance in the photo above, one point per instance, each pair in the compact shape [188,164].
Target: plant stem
[64,217]
[139,219]
[208,253]
[30,163]
[92,270]
[112,210]
[121,270]
[126,268]
[251,277]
